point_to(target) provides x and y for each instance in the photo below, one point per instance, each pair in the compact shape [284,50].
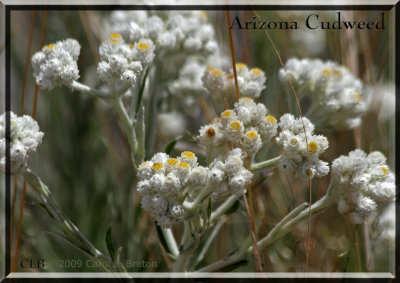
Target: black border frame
[9,8]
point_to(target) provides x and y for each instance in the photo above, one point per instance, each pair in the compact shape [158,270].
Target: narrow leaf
[110,244]
[141,90]
[209,209]
[171,145]
[162,239]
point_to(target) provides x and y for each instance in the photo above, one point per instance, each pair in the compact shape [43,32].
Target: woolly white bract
[165,183]
[25,137]
[339,99]
[56,64]
[364,182]
[292,139]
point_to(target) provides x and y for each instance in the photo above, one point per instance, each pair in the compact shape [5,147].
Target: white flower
[171,185]
[144,51]
[251,82]
[144,187]
[338,97]
[251,141]
[56,64]
[234,130]
[298,149]
[156,204]
[122,61]
[211,135]
[216,176]
[188,157]
[189,82]
[240,181]
[166,183]
[25,137]
[145,170]
[199,176]
[364,182]
[157,180]
[213,80]
[233,164]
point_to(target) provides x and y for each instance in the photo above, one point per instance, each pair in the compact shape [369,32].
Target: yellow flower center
[226,113]
[245,98]
[50,46]
[184,165]
[271,119]
[131,45]
[210,68]
[235,125]
[115,35]
[172,161]
[252,134]
[327,72]
[336,72]
[385,170]
[294,141]
[144,164]
[313,147]
[203,15]
[240,65]
[256,71]
[217,73]
[143,46]
[210,132]
[114,41]
[357,96]
[229,77]
[188,154]
[157,166]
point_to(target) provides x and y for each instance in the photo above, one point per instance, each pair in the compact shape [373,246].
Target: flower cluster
[122,61]
[364,181]
[56,64]
[338,98]
[251,82]
[247,125]
[166,182]
[189,81]
[296,150]
[187,31]
[25,137]
[229,175]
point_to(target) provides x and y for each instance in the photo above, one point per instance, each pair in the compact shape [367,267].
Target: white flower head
[340,99]
[297,148]
[56,64]
[211,135]
[364,181]
[25,137]
[251,141]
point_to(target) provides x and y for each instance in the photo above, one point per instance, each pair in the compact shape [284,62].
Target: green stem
[77,86]
[128,126]
[71,232]
[282,228]
[209,241]
[265,164]
[223,208]
[191,206]
[170,240]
